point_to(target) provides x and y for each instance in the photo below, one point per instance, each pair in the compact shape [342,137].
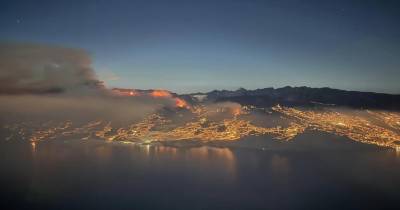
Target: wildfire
[126,92]
[164,94]
[155,93]
[181,103]
[160,93]
[134,93]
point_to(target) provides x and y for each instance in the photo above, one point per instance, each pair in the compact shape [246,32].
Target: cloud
[41,82]
[78,108]
[36,69]
[108,76]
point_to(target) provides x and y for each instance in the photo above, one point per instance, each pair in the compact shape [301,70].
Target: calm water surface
[93,174]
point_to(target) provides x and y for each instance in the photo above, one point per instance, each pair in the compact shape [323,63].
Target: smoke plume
[38,69]
[55,83]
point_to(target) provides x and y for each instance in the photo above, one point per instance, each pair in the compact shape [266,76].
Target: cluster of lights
[372,127]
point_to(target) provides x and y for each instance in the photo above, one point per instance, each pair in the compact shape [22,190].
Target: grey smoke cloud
[55,83]
[36,69]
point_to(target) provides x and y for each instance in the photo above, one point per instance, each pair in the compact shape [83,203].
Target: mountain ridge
[302,96]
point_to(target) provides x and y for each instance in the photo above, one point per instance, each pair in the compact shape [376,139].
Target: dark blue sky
[188,46]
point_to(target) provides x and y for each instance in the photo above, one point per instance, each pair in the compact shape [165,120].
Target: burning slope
[179,102]
[160,93]
[126,92]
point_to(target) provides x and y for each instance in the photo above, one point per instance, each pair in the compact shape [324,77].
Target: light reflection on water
[280,164]
[33,144]
[101,175]
[204,156]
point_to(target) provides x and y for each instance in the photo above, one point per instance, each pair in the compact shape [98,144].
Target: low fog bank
[70,107]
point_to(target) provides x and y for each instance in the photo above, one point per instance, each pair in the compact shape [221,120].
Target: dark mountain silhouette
[305,96]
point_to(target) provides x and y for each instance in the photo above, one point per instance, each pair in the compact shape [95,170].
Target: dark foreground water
[310,173]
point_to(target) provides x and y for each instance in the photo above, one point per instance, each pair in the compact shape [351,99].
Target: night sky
[189,46]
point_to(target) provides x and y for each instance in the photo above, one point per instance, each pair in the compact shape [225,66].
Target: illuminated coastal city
[199,104]
[206,123]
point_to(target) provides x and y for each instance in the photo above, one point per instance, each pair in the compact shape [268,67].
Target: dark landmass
[303,96]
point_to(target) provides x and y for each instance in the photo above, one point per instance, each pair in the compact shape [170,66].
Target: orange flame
[181,103]
[126,92]
[134,93]
[155,93]
[160,93]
